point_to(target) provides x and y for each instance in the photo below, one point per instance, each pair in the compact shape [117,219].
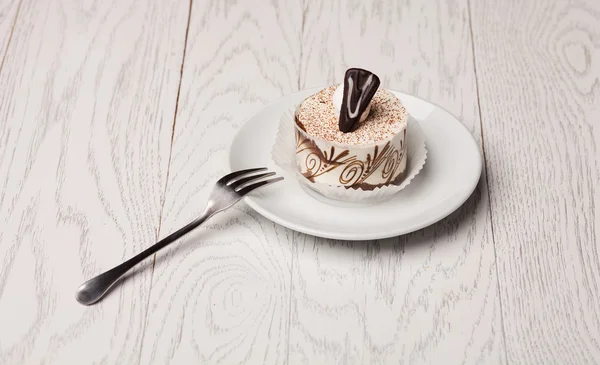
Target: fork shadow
[167,253]
[147,265]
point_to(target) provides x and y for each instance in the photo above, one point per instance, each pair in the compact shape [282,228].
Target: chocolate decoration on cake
[359,88]
[353,172]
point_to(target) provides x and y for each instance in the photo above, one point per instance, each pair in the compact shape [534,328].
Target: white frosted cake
[370,153]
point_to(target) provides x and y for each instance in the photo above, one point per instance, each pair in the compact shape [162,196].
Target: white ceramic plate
[449,177]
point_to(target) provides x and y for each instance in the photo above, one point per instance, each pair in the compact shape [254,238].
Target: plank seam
[304,11]
[294,242]
[487,180]
[163,198]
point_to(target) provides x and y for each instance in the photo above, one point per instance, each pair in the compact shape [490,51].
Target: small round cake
[352,135]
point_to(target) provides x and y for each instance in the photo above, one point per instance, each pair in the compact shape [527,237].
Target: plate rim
[357,236]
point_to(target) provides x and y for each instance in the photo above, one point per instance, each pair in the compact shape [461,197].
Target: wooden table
[116,118]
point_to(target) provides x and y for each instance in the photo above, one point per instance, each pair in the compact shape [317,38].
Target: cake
[352,135]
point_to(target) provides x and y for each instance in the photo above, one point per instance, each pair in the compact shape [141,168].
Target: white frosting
[338,97]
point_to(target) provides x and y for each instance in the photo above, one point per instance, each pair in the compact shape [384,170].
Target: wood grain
[8,14]
[221,295]
[538,66]
[425,298]
[87,99]
[108,141]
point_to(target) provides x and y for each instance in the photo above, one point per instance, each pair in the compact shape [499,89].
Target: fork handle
[94,289]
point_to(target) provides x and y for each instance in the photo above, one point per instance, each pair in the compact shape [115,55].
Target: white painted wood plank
[428,297]
[87,99]
[538,66]
[221,294]
[8,14]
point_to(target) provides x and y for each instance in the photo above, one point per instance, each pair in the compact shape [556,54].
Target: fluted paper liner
[284,156]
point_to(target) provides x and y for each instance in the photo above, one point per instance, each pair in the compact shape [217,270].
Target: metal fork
[227,191]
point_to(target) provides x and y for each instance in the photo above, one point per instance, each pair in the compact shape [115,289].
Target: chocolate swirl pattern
[317,162]
[390,166]
[352,173]
[356,168]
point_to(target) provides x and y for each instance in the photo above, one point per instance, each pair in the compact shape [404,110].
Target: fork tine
[225,179]
[249,188]
[238,183]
